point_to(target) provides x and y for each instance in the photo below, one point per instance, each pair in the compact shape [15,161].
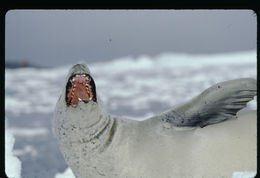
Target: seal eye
[80,87]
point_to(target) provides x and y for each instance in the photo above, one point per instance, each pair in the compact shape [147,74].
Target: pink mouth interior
[80,89]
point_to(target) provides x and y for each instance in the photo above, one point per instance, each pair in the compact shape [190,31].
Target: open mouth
[80,87]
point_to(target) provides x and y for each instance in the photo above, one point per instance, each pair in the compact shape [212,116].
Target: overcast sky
[56,37]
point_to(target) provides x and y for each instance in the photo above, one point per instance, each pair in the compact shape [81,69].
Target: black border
[148,5]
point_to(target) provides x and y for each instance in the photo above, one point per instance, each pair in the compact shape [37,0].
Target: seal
[189,140]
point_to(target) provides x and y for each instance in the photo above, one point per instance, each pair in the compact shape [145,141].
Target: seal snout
[80,87]
[79,67]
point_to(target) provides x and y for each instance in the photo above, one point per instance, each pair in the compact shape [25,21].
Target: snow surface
[245,174]
[132,83]
[133,87]
[12,163]
[67,174]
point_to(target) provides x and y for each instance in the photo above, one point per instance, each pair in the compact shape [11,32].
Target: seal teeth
[75,90]
[87,90]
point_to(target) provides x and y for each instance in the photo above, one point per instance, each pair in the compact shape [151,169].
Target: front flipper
[216,104]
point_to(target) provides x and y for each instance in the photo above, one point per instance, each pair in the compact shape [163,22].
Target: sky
[59,37]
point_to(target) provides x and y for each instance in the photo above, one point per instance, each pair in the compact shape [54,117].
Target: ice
[28,132]
[130,82]
[28,149]
[66,174]
[245,174]
[12,163]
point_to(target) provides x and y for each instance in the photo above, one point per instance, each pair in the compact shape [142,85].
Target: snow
[12,163]
[132,83]
[66,174]
[245,174]
[28,132]
[26,150]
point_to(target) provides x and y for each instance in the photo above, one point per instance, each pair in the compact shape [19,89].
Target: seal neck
[101,135]
[90,126]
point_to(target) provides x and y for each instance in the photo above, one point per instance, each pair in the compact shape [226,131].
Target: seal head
[83,129]
[80,86]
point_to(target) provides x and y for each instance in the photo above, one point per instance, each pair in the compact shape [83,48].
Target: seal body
[212,151]
[95,144]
